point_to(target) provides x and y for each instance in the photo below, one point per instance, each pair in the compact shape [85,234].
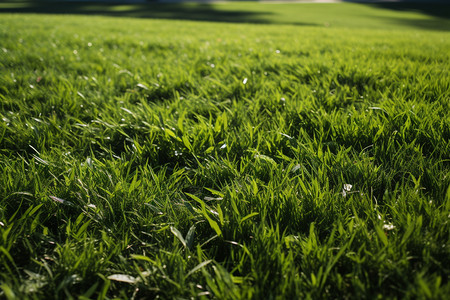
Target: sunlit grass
[144,158]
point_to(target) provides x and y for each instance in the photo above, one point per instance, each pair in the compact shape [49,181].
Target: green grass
[374,16]
[144,158]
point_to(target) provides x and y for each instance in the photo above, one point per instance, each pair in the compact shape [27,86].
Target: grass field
[286,152]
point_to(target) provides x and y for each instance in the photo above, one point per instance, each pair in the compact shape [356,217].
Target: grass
[146,158]
[432,16]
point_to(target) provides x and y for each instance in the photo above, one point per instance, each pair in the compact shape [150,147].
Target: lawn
[228,151]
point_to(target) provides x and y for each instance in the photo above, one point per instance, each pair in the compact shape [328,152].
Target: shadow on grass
[434,9]
[438,12]
[178,11]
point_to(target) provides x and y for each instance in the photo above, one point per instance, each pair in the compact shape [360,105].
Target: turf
[302,157]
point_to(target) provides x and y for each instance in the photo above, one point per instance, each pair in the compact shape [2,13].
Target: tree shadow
[439,14]
[437,11]
[178,11]
[434,9]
